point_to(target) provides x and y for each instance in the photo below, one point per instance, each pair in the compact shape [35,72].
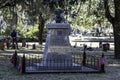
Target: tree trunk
[116,29]
[41,28]
[115,21]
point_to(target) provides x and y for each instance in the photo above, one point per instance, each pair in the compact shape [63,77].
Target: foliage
[80,13]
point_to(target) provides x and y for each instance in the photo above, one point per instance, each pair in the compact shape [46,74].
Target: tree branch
[107,12]
[7,3]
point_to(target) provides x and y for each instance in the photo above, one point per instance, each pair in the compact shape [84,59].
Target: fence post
[84,55]
[23,63]
[84,58]
[15,58]
[98,63]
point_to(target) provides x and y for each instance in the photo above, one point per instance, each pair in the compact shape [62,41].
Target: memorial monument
[57,56]
[57,48]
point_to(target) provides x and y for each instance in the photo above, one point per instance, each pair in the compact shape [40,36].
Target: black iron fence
[34,63]
[92,62]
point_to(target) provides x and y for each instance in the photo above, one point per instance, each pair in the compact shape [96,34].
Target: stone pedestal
[57,48]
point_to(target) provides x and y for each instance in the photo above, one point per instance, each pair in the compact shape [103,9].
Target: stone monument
[57,48]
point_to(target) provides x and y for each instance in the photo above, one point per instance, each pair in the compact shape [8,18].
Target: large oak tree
[115,21]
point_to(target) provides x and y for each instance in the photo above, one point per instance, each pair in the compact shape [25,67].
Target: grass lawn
[8,72]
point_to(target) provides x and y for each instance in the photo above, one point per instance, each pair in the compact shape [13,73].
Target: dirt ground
[8,72]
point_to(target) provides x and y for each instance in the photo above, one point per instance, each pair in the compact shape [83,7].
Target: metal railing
[32,63]
[92,62]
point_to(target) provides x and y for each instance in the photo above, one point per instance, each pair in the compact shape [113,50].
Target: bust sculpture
[58,18]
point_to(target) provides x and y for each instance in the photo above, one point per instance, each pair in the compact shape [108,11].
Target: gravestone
[33,46]
[23,43]
[1,45]
[100,44]
[7,43]
[106,47]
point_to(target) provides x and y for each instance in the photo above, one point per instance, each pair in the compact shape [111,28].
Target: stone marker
[57,48]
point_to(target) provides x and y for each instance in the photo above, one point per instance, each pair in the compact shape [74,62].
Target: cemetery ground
[8,72]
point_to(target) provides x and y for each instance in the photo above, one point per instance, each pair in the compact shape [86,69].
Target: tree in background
[35,11]
[78,12]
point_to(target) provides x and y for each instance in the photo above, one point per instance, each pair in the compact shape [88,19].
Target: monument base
[57,60]
[58,66]
[57,48]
